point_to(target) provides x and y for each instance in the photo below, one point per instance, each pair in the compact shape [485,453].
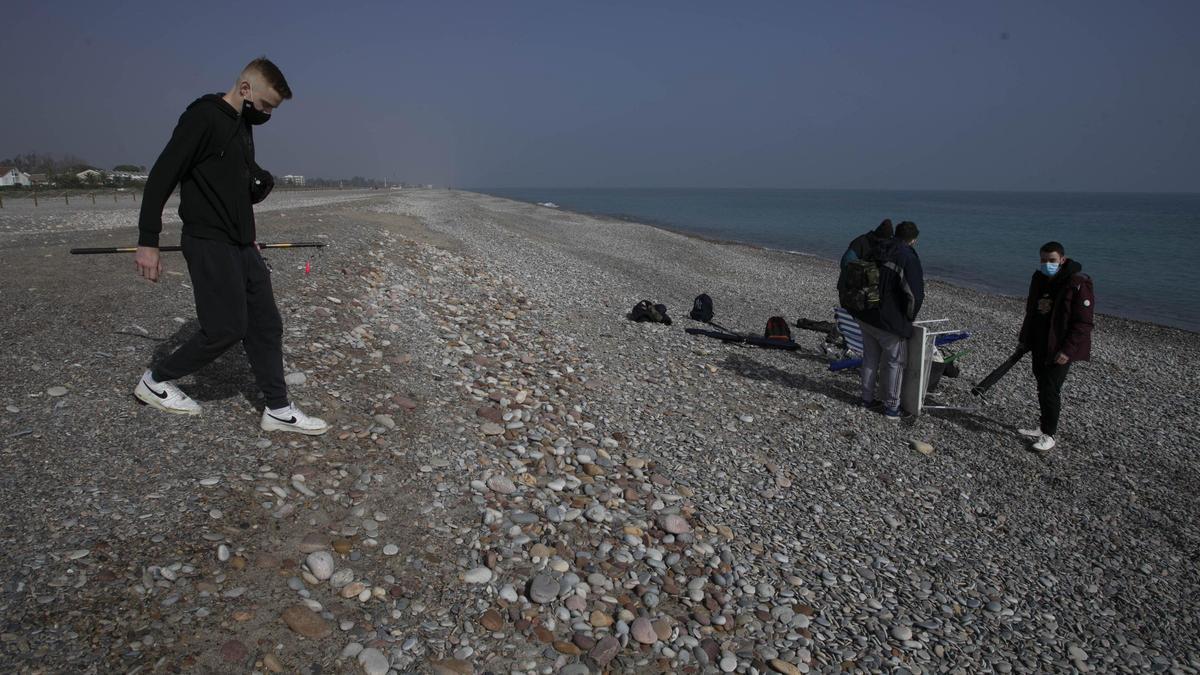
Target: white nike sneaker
[1044,443]
[164,396]
[291,419]
[1030,433]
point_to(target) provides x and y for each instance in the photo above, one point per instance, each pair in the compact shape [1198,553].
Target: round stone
[478,575]
[501,484]
[391,549]
[643,631]
[605,650]
[491,620]
[234,651]
[57,391]
[902,633]
[921,447]
[543,589]
[674,524]
[306,622]
[341,577]
[320,563]
[373,662]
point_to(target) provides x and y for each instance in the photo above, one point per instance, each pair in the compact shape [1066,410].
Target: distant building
[125,175]
[39,178]
[11,175]
[90,175]
[298,181]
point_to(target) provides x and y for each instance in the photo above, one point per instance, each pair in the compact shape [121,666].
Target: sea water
[1140,249]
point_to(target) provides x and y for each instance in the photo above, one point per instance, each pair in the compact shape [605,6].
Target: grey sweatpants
[884,355]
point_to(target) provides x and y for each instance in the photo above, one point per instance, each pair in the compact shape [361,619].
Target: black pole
[1001,370]
[162,249]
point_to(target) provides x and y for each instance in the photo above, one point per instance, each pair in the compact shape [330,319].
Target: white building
[91,175]
[289,179]
[11,175]
[134,177]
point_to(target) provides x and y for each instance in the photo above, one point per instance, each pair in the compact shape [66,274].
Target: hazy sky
[1089,95]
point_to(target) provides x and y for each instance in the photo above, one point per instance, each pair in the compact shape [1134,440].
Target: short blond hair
[270,74]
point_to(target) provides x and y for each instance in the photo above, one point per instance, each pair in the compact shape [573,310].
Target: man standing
[211,156]
[1057,330]
[887,327]
[864,245]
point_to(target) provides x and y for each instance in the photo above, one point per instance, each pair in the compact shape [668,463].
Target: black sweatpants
[234,302]
[1050,378]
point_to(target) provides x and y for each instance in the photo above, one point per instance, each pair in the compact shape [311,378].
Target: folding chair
[851,333]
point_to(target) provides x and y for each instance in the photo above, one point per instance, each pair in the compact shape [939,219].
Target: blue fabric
[850,330]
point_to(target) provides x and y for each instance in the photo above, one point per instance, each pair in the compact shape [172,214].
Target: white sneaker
[164,396]
[1043,443]
[1030,433]
[291,419]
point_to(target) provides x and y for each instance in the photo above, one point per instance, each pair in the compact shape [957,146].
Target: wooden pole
[93,199]
[67,198]
[35,197]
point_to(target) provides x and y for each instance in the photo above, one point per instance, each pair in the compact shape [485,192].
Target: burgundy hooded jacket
[1058,314]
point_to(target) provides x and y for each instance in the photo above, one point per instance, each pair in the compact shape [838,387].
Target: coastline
[980,287]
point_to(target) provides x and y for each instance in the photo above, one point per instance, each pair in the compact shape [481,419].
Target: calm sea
[1138,248]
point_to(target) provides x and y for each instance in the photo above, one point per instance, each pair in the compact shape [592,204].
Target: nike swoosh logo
[291,421]
[160,394]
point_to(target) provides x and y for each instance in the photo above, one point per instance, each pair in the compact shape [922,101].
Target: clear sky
[1064,95]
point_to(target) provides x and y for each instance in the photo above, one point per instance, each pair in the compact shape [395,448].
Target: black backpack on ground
[648,311]
[702,308]
[777,329]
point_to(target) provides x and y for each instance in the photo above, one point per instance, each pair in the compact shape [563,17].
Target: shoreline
[722,241]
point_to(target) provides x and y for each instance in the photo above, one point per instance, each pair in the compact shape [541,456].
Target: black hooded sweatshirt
[210,156]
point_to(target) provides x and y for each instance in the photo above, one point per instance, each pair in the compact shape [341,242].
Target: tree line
[61,170]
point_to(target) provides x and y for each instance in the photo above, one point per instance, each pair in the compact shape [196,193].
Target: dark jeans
[1050,378]
[234,302]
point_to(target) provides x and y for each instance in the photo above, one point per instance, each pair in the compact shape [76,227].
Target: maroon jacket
[1069,299]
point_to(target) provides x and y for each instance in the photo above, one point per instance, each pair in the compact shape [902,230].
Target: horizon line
[827,189]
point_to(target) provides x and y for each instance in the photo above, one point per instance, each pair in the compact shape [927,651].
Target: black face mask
[254,115]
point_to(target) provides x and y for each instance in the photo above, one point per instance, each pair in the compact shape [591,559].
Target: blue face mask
[1048,268]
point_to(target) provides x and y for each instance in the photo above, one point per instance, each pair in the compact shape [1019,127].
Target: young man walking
[211,157]
[1057,330]
[886,328]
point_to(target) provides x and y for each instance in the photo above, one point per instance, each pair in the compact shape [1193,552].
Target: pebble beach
[520,480]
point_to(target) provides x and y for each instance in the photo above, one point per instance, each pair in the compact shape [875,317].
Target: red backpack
[777,329]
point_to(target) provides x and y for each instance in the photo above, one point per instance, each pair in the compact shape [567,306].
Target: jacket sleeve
[1023,337]
[180,155]
[848,257]
[915,276]
[1077,344]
